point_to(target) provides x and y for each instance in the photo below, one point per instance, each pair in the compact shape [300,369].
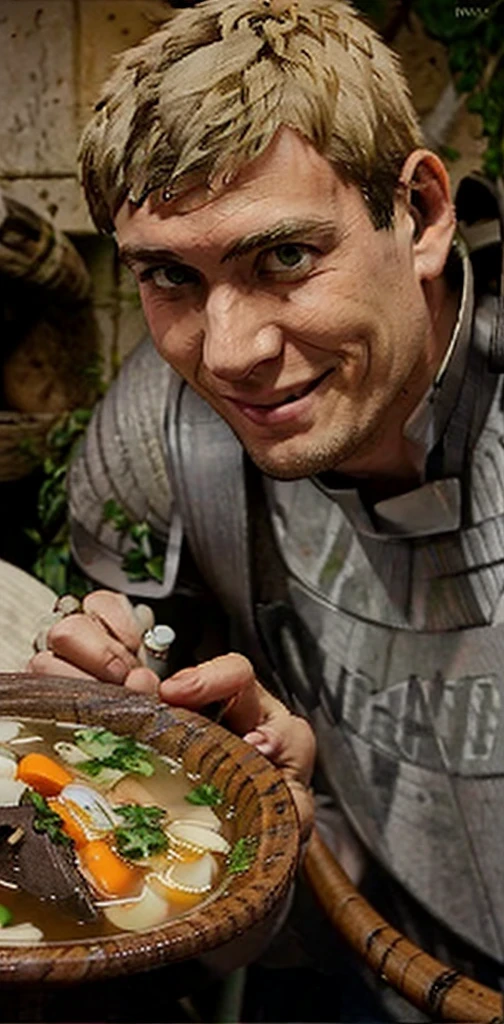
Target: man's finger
[289,742]
[85,643]
[117,615]
[47,664]
[142,680]
[222,678]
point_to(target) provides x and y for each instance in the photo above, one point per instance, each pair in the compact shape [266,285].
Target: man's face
[282,306]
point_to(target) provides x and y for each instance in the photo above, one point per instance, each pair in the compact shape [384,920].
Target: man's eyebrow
[131,255]
[279,234]
[323,231]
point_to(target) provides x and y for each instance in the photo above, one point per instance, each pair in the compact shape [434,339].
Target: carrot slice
[109,872]
[43,774]
[71,826]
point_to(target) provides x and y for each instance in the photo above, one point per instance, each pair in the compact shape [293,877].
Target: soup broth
[136,840]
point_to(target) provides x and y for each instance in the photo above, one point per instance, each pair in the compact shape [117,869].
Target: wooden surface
[434,988]
[25,604]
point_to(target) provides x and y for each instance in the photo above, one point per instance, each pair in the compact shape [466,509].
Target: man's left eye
[288,260]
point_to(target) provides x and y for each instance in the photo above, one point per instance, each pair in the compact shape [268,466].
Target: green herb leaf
[93,740]
[242,855]
[140,837]
[5,916]
[107,750]
[46,820]
[205,794]
[137,814]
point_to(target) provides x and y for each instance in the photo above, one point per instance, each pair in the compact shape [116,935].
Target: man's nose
[239,333]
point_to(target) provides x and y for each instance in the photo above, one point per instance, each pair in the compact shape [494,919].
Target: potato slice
[8,767]
[11,791]
[194,876]
[196,836]
[136,915]
[198,814]
[20,934]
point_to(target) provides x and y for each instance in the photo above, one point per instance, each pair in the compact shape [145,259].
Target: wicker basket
[435,989]
[43,277]
[22,442]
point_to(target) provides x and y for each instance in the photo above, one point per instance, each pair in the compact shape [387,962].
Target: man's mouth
[288,399]
[281,408]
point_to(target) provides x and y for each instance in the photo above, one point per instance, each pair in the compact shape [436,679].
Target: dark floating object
[43,868]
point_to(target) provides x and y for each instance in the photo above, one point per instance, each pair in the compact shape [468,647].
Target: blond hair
[207,92]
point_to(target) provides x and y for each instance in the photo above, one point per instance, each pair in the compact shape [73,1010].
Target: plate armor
[384,625]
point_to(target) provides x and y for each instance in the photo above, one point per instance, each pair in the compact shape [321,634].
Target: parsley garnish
[205,794]
[107,750]
[140,836]
[242,855]
[46,820]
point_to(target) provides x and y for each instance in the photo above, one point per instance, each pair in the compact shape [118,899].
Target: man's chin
[290,465]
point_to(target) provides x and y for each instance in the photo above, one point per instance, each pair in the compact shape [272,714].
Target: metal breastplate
[396,651]
[394,648]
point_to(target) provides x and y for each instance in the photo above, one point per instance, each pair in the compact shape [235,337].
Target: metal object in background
[157,642]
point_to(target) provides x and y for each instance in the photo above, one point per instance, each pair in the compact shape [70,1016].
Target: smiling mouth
[289,399]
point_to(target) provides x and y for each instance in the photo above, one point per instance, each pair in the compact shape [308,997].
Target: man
[325,439]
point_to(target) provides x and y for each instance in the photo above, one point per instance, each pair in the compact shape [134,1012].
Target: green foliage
[53,563]
[121,753]
[474,39]
[145,558]
[206,794]
[46,820]
[242,855]
[140,837]
[473,35]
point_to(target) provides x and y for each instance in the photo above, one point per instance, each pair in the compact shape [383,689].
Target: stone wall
[55,54]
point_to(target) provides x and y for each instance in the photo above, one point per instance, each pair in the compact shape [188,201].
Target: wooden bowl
[257,792]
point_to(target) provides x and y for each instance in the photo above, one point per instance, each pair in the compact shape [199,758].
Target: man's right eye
[171,277]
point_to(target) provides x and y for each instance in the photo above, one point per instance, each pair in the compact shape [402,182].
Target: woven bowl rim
[248,898]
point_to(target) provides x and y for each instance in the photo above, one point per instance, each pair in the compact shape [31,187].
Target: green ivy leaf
[155,568]
[113,513]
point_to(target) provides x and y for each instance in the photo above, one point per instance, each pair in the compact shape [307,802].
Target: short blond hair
[207,92]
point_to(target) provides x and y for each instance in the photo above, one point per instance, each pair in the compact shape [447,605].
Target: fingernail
[259,742]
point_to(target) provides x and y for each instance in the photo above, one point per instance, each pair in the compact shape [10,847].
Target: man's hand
[104,642]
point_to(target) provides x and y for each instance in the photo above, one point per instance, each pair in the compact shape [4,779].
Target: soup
[100,834]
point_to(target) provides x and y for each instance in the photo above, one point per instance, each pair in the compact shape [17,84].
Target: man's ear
[425,188]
